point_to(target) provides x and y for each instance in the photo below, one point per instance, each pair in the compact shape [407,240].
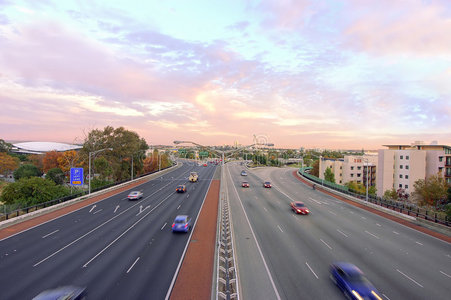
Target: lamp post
[367,165]
[90,154]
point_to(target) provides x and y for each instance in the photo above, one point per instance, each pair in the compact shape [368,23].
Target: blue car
[352,282]
[181,224]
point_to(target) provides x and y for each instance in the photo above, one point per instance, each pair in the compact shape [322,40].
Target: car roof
[134,192]
[181,217]
[298,202]
[348,268]
[61,292]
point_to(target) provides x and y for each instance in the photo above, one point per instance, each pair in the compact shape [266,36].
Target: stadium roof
[42,147]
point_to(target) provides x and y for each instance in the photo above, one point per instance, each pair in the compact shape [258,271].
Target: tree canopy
[32,191]
[56,175]
[329,175]
[8,163]
[26,171]
[431,191]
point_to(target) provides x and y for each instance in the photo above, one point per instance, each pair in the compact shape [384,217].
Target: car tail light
[186,225]
[173,224]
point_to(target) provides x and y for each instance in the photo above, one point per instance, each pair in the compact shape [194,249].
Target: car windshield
[180,187]
[267,182]
[299,204]
[134,193]
[357,278]
[180,221]
[244,182]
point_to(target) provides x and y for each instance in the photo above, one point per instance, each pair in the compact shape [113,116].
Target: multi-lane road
[118,249]
[281,255]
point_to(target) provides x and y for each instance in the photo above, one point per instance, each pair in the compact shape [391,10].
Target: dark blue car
[352,282]
[181,224]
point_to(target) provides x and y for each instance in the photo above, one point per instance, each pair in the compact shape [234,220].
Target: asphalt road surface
[118,249]
[282,255]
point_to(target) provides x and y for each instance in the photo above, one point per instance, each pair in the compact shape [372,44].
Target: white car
[135,195]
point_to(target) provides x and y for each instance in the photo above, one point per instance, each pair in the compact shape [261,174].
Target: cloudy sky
[312,73]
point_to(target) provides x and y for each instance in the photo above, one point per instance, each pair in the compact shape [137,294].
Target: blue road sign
[76,176]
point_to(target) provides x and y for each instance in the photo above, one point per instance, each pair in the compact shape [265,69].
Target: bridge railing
[399,206]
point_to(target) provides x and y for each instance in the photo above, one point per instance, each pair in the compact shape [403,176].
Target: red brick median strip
[194,280]
[27,224]
[382,214]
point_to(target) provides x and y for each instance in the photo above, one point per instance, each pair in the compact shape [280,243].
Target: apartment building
[351,168]
[400,166]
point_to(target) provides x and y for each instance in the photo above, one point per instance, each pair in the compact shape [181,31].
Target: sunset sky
[348,74]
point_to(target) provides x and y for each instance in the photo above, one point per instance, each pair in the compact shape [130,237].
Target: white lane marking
[141,209]
[164,225]
[314,200]
[351,212]
[256,242]
[279,228]
[97,211]
[363,218]
[342,232]
[131,267]
[179,206]
[92,208]
[50,233]
[372,234]
[265,209]
[117,207]
[385,296]
[409,278]
[378,224]
[187,196]
[127,230]
[332,212]
[312,270]
[419,243]
[395,232]
[445,274]
[326,244]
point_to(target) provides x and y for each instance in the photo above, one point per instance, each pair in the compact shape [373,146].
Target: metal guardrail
[404,208]
[227,284]
[25,210]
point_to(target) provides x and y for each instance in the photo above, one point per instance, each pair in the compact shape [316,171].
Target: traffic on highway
[116,248]
[286,254]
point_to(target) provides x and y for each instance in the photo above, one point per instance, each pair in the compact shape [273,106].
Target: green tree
[56,175]
[103,167]
[390,194]
[329,175]
[431,191]
[372,190]
[4,146]
[124,143]
[31,191]
[26,171]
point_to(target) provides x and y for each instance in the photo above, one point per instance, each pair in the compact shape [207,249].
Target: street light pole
[89,172]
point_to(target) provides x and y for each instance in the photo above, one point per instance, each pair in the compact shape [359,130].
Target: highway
[281,255]
[118,249]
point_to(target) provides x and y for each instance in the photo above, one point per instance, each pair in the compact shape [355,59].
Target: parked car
[64,292]
[243,173]
[135,195]
[182,223]
[267,184]
[299,208]
[245,184]
[352,282]
[181,188]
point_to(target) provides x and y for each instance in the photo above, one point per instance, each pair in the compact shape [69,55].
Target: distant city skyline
[316,74]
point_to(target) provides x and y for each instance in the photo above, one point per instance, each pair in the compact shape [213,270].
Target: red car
[245,184]
[299,208]
[267,184]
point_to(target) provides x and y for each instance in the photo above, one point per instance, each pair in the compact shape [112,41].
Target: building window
[440,158]
[406,177]
[407,167]
[341,167]
[400,186]
[400,166]
[401,157]
[406,186]
[352,174]
[352,168]
[407,157]
[358,175]
[359,168]
[400,175]
[340,181]
[358,181]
